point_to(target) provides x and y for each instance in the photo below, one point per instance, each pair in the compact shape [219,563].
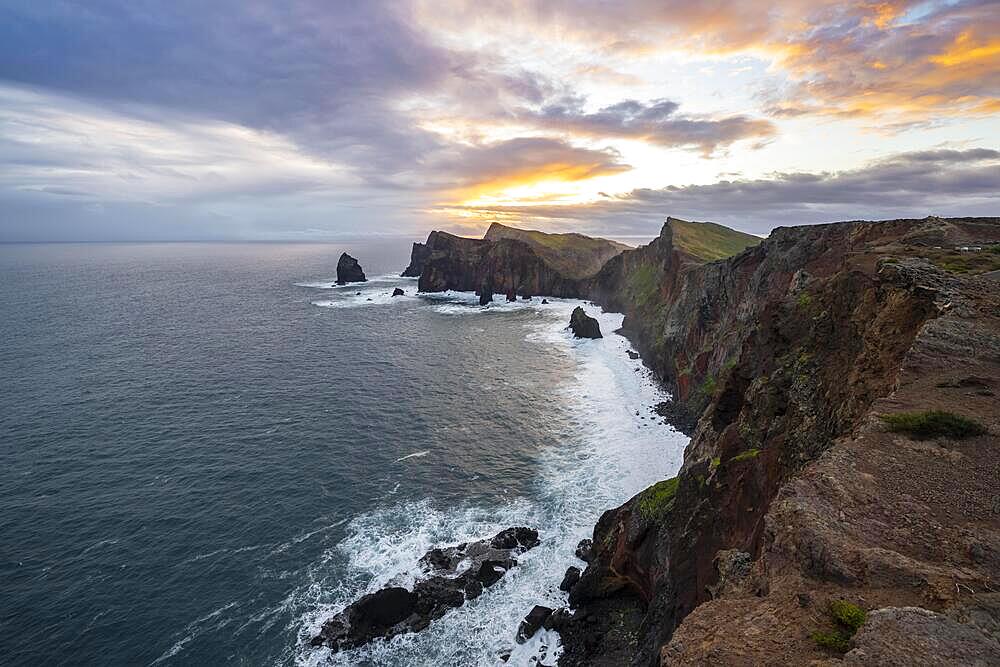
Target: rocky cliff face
[792,492]
[500,266]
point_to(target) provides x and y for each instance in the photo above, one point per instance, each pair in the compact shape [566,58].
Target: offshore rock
[583,325]
[349,271]
[398,292]
[394,610]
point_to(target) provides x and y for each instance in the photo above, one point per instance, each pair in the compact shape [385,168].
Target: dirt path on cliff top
[884,521]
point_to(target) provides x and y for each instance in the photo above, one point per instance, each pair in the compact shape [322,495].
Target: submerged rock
[583,325]
[398,292]
[456,574]
[349,271]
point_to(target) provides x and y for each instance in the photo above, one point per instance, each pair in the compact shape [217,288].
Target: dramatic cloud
[916,58]
[915,184]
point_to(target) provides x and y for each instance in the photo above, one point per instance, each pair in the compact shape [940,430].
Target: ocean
[208,449]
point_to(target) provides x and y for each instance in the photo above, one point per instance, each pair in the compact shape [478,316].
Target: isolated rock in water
[632,354]
[569,580]
[393,610]
[545,301]
[511,296]
[583,325]
[532,623]
[485,296]
[398,292]
[349,271]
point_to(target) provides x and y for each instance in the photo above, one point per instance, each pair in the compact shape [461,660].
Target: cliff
[509,260]
[573,255]
[794,493]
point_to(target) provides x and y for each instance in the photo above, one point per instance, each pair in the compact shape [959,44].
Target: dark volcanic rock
[569,580]
[511,296]
[398,292]
[418,255]
[485,296]
[532,623]
[393,610]
[584,550]
[583,325]
[545,301]
[632,354]
[349,271]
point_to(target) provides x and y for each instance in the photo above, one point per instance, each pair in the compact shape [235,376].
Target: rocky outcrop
[583,325]
[792,492]
[572,255]
[349,271]
[455,574]
[398,292]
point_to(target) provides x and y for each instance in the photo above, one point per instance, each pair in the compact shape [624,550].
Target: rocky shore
[838,500]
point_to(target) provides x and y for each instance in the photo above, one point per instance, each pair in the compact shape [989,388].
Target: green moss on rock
[657,500]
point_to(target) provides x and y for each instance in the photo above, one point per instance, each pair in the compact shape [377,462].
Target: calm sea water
[206,450]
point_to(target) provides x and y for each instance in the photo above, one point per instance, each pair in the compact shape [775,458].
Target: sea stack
[583,325]
[349,271]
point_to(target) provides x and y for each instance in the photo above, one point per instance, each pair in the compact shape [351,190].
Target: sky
[319,120]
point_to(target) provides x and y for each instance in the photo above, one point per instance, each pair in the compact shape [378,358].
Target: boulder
[569,580]
[545,301]
[398,292]
[485,296]
[455,574]
[583,325]
[632,354]
[532,623]
[511,296]
[349,271]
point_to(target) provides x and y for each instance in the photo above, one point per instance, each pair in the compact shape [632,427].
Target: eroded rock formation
[349,271]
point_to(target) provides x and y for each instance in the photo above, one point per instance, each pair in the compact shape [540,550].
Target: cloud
[491,167]
[913,184]
[910,58]
[656,122]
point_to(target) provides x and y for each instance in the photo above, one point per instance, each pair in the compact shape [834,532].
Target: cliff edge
[846,455]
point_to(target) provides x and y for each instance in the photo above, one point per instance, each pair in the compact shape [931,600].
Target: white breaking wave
[611,449]
[414,455]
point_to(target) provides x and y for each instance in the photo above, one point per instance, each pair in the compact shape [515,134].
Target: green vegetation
[933,423]
[643,284]
[835,640]
[745,456]
[708,241]
[849,618]
[804,300]
[657,500]
[848,615]
[707,388]
[969,262]
[714,463]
